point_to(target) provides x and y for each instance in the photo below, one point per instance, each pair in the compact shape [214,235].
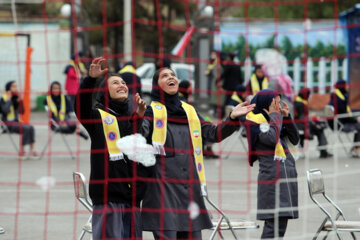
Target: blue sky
[258,32]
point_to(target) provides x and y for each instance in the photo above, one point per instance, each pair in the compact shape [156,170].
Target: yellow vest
[342,97]
[111,133]
[53,108]
[279,153]
[11,115]
[159,135]
[300,99]
[76,67]
[255,87]
[128,68]
[236,98]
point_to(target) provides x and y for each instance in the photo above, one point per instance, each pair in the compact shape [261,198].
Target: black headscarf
[305,93]
[263,100]
[339,104]
[106,103]
[14,98]
[172,102]
[57,99]
[258,78]
[8,85]
[341,85]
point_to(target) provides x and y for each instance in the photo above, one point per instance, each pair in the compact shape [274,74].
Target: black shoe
[83,135]
[325,154]
[211,156]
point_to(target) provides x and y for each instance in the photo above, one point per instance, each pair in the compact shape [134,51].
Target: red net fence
[222,53]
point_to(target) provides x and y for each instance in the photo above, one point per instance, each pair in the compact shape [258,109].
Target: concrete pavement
[27,212]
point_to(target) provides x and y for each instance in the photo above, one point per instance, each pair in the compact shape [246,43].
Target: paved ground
[27,212]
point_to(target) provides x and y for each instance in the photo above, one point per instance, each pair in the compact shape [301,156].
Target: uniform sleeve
[216,133]
[5,106]
[271,137]
[83,103]
[290,130]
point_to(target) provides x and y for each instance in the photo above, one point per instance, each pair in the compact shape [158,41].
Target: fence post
[345,69]
[322,75]
[247,70]
[334,73]
[309,74]
[297,73]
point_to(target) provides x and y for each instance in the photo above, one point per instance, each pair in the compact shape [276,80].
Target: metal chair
[330,223]
[51,137]
[220,224]
[5,130]
[339,128]
[82,196]
[239,136]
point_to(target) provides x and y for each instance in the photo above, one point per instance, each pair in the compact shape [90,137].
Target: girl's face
[117,88]
[277,101]
[259,73]
[55,90]
[168,81]
[13,88]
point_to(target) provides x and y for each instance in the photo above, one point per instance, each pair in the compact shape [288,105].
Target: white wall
[51,53]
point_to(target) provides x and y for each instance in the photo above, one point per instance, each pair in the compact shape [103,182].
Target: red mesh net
[204,41]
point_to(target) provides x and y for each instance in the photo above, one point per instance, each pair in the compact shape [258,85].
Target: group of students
[129,198]
[59,109]
[309,126]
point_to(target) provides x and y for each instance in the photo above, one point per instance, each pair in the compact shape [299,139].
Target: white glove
[135,147]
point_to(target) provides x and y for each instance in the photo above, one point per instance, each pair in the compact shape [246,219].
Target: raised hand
[285,110]
[95,70]
[241,109]
[141,105]
[274,107]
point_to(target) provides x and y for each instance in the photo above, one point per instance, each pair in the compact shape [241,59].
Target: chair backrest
[318,101]
[315,182]
[80,190]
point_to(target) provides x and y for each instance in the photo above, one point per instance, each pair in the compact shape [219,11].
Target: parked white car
[146,71]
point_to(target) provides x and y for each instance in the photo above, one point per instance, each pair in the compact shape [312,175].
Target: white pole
[127,31]
[13,11]
[309,74]
[247,70]
[334,73]
[297,72]
[322,75]
[344,69]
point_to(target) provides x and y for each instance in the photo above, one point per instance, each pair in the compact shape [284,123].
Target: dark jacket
[301,111]
[271,171]
[5,108]
[181,183]
[231,76]
[340,107]
[110,181]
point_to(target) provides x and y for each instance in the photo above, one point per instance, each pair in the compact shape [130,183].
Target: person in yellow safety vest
[239,95]
[12,107]
[59,108]
[340,100]
[258,81]
[133,81]
[211,70]
[309,125]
